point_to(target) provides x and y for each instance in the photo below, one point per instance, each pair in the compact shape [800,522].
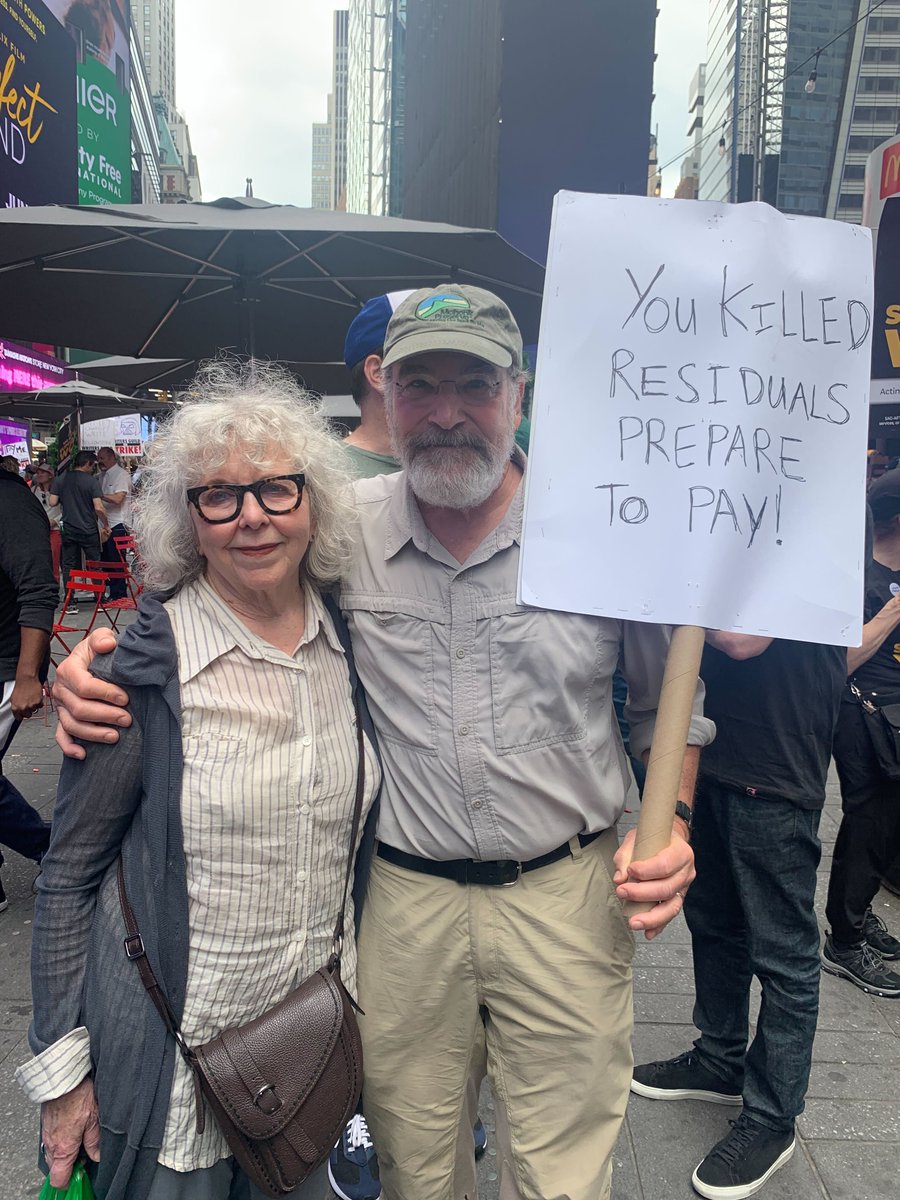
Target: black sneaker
[743,1161]
[877,936]
[4,903]
[479,1133]
[353,1163]
[861,965]
[682,1078]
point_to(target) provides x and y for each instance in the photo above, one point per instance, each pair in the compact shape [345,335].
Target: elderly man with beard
[493,921]
[493,926]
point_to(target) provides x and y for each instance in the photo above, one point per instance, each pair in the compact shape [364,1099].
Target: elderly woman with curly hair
[229,798]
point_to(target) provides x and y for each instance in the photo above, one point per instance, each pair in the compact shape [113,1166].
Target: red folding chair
[90,583]
[127,548]
[111,609]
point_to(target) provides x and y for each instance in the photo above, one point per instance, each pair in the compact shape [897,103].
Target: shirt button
[304,808]
[476,804]
[463,729]
[460,653]
[307,741]
[301,876]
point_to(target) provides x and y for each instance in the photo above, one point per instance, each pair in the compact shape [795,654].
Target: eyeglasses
[423,387]
[220,502]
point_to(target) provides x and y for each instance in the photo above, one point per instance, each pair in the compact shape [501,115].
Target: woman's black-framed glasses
[220,502]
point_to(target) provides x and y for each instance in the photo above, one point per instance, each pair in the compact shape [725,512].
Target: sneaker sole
[740,1190]
[336,1188]
[655,1093]
[4,905]
[843,973]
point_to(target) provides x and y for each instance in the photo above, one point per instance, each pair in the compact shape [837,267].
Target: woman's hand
[67,1124]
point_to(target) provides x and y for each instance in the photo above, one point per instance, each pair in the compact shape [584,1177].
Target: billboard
[884,411]
[38,145]
[122,433]
[25,370]
[15,439]
[99,29]
[882,180]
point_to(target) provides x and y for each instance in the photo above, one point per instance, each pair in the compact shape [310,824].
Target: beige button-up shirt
[495,721]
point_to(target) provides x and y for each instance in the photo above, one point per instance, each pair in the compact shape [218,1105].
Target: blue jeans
[750,912]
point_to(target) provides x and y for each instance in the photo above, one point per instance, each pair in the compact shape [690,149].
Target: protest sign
[700,418]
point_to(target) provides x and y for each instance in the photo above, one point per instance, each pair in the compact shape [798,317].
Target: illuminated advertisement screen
[38,144]
[99,29]
[25,370]
[15,439]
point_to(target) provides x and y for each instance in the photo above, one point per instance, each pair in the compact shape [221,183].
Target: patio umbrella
[272,281]
[86,399]
[172,374]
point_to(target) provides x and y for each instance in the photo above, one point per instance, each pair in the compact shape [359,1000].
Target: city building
[146,180]
[375,63]
[654,175]
[337,115]
[156,22]
[504,107]
[870,106]
[797,96]
[320,191]
[689,184]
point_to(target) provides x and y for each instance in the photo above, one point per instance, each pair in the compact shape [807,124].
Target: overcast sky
[252,78]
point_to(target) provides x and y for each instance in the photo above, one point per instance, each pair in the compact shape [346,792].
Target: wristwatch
[682,810]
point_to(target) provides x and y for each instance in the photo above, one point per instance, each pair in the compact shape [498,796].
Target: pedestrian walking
[78,492]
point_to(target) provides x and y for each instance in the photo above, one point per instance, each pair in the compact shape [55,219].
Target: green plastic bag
[79,1187]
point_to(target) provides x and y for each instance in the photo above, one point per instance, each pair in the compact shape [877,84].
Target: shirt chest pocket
[544,668]
[393,646]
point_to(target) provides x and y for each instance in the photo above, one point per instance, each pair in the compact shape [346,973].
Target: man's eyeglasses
[220,502]
[423,387]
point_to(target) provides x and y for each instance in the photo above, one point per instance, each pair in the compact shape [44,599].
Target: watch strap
[685,812]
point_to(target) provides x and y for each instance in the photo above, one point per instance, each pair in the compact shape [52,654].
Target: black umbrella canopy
[185,281]
[172,374]
[91,402]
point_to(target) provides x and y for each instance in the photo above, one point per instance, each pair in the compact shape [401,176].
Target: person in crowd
[370,447]
[751,911]
[28,597]
[229,799]
[9,462]
[492,926]
[115,492]
[859,947]
[77,491]
[42,490]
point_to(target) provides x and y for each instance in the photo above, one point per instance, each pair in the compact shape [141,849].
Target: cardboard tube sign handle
[673,722]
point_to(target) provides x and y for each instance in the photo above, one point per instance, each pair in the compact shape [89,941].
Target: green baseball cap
[456,317]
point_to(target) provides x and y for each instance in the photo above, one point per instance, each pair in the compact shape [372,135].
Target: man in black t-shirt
[750,910]
[858,946]
[78,490]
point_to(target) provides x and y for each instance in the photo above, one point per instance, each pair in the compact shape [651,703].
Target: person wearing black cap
[370,447]
[858,946]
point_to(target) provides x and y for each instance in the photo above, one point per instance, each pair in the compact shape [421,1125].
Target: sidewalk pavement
[847,1145]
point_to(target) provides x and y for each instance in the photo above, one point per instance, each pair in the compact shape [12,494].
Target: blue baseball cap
[368,328]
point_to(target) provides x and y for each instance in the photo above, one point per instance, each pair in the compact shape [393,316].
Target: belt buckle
[513,882]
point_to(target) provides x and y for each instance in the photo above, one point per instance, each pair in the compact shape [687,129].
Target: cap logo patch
[446,306]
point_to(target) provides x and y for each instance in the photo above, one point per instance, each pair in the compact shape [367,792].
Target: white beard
[448,469]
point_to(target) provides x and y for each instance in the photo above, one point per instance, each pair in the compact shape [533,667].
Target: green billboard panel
[104,137]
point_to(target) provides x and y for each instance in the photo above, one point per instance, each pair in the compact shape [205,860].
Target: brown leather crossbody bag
[283,1086]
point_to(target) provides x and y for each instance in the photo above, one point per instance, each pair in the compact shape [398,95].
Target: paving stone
[856,1047]
[855,1081]
[19,1121]
[842,1005]
[849,1120]
[668,980]
[851,1172]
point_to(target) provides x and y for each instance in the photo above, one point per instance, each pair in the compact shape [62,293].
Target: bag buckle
[272,1104]
[134,946]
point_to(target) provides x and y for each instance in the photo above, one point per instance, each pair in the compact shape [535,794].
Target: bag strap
[134,943]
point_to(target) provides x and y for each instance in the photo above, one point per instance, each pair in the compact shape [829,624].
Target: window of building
[855,171]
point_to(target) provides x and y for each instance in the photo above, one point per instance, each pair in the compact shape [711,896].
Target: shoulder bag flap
[257,1080]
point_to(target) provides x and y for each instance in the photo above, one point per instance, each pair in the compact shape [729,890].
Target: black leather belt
[502,873]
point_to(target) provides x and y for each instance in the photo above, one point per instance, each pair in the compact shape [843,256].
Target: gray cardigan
[126,798]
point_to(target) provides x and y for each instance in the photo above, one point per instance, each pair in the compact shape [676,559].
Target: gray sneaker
[877,936]
[861,965]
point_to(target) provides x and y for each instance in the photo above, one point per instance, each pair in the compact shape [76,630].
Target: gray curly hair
[266,417]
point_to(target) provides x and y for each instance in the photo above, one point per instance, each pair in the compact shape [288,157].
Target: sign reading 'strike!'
[700,418]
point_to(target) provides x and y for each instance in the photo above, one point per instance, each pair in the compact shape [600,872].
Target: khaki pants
[537,978]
